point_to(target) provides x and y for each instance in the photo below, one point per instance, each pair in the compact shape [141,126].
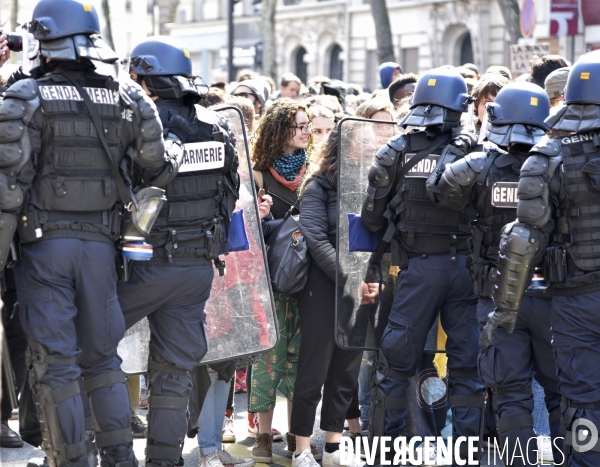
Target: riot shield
[360,324]
[240,313]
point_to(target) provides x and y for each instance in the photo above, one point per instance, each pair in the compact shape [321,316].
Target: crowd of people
[493,251]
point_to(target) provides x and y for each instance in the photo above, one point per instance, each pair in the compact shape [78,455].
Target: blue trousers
[429,286]
[508,366]
[173,299]
[576,345]
[67,302]
[210,421]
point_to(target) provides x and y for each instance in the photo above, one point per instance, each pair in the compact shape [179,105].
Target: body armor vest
[74,193]
[416,215]
[496,199]
[191,226]
[581,163]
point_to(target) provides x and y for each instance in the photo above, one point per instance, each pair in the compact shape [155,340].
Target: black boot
[121,456]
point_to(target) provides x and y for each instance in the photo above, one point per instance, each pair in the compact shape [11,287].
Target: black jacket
[318,222]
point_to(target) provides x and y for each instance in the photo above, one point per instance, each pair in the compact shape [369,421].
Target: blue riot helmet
[68,30]
[164,64]
[517,115]
[582,97]
[584,80]
[440,97]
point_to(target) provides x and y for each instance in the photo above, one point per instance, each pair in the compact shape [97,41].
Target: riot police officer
[488,181]
[64,136]
[172,288]
[429,245]
[556,225]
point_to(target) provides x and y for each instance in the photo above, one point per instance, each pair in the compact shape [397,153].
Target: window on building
[181,16]
[410,60]
[300,71]
[466,49]
[336,64]
[127,6]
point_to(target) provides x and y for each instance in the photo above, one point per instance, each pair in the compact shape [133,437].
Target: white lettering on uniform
[579,138]
[203,156]
[423,168]
[70,93]
[504,195]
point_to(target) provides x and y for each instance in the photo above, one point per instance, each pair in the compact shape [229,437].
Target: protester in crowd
[247,108]
[257,90]
[466,73]
[555,84]
[485,92]
[389,72]
[321,362]
[541,67]
[290,86]
[474,68]
[499,70]
[402,87]
[216,95]
[375,109]
[323,123]
[280,149]
[245,74]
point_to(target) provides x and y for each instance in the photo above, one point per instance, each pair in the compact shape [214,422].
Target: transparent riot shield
[240,313]
[360,321]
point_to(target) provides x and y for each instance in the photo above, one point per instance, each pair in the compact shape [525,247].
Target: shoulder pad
[547,146]
[386,155]
[205,115]
[133,90]
[397,142]
[476,160]
[25,89]
[536,164]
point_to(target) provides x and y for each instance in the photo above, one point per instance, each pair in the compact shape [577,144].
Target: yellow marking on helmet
[186,53]
[87,7]
[585,75]
[533,101]
[431,82]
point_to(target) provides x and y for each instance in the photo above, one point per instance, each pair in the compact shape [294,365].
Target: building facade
[336,38]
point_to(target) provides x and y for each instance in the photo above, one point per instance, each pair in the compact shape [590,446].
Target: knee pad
[46,399]
[105,439]
[380,401]
[157,365]
[572,443]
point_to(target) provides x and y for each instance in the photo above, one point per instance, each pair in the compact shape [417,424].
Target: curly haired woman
[279,152]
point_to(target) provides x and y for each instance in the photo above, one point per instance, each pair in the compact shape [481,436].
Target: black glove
[464,139]
[175,124]
[497,318]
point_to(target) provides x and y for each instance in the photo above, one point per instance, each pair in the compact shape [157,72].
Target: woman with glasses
[279,151]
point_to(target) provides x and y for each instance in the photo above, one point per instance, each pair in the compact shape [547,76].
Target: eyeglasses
[304,129]
[248,95]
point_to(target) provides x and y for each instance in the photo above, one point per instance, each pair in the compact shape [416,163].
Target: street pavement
[191,453]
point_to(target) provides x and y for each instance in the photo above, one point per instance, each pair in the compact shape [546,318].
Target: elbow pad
[518,247]
[534,207]
[174,154]
[148,147]
[381,173]
[457,180]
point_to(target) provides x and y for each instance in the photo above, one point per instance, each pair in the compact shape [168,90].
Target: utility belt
[401,246]
[206,240]
[33,223]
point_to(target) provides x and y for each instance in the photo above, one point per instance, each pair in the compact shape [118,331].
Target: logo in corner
[588,432]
